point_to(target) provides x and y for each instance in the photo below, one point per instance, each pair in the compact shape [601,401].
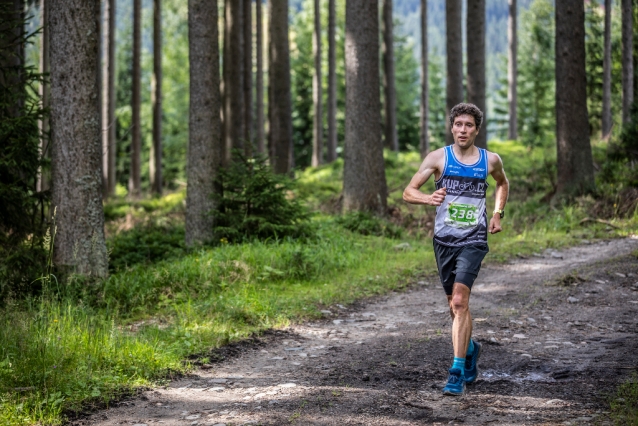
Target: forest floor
[558,332]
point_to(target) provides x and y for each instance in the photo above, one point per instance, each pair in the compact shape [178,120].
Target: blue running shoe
[471,364]
[455,383]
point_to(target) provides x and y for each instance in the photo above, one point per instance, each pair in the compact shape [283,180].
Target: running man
[460,229]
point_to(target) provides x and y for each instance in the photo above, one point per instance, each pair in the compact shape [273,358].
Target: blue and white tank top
[461,219]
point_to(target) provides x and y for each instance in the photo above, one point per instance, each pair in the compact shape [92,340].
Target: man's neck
[465,153]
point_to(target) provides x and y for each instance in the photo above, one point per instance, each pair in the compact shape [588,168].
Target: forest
[177,176]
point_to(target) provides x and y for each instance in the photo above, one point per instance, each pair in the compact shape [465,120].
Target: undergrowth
[89,341]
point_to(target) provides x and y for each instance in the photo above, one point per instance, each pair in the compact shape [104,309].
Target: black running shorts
[459,264]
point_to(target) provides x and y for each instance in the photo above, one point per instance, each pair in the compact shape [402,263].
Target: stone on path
[571,299]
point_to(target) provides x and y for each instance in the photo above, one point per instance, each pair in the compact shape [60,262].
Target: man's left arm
[502,190]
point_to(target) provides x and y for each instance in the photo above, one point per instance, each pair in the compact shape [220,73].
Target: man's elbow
[406,195]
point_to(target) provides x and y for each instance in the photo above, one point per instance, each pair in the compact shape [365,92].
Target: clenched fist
[437,197]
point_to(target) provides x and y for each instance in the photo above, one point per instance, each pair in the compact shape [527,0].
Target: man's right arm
[431,164]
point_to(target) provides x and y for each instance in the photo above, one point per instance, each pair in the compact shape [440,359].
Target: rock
[326,312]
[287,385]
[556,255]
[493,340]
[337,322]
[572,299]
[531,320]
[259,395]
[340,306]
[402,246]
[526,355]
[277,358]
[551,347]
[303,355]
[421,282]
[298,348]
[601,282]
[519,336]
[217,389]
[620,275]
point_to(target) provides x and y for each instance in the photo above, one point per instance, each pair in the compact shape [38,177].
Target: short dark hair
[467,109]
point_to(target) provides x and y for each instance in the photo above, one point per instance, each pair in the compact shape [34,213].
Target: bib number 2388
[462,215]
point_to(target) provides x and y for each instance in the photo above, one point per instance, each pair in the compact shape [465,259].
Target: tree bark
[248,77]
[204,146]
[261,144]
[76,138]
[606,118]
[390,130]
[574,157]
[454,85]
[512,65]
[317,95]
[108,99]
[424,146]
[364,183]
[279,101]
[234,114]
[155,166]
[476,63]
[332,82]
[44,177]
[135,181]
[627,59]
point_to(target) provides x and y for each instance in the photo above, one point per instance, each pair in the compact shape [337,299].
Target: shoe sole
[450,393]
[478,355]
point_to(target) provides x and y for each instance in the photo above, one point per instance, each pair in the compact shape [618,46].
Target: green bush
[367,224]
[255,203]
[145,244]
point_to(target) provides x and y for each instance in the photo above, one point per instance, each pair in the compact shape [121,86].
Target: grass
[96,340]
[624,405]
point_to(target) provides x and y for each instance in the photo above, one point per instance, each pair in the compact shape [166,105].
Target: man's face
[464,130]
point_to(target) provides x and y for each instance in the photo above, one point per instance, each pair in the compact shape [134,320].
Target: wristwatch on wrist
[501,213]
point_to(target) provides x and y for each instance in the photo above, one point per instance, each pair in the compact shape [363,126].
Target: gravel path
[559,334]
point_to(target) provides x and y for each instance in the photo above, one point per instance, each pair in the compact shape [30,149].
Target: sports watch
[501,213]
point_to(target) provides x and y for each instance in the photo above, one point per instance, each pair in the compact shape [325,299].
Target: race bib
[462,215]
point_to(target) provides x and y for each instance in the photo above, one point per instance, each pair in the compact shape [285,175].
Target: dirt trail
[559,333]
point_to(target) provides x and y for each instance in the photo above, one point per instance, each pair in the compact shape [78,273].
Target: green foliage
[254,202]
[624,404]
[436,101]
[536,85]
[619,166]
[408,90]
[367,224]
[145,244]
[22,208]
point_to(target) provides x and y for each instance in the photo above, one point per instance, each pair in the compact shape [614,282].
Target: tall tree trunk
[364,184]
[332,82]
[259,85]
[627,59]
[155,166]
[390,129]
[135,180]
[317,95]
[606,118]
[574,157]
[108,99]
[44,177]
[476,63]
[424,146]
[234,113]
[248,77]
[279,101]
[204,145]
[512,65]
[76,137]
[454,85]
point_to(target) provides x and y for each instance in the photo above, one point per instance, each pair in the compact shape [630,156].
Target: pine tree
[424,145]
[512,73]
[279,101]
[135,180]
[332,82]
[363,146]
[259,78]
[627,59]
[317,92]
[155,165]
[204,146]
[606,112]
[454,43]
[574,158]
[391,138]
[76,138]
[234,112]
[476,63]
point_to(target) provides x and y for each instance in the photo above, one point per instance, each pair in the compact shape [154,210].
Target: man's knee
[460,298]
